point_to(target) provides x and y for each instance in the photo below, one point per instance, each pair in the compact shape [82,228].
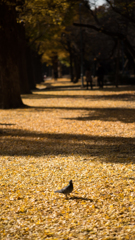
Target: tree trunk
[117,65]
[24,83]
[9,70]
[38,68]
[55,66]
[30,69]
[71,61]
[77,69]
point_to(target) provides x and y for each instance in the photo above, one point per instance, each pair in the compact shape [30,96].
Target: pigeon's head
[70,182]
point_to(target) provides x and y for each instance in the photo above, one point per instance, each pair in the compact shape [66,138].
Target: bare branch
[127,16]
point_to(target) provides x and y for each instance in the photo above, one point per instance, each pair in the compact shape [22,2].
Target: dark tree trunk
[71,66]
[30,69]
[77,69]
[38,68]
[117,65]
[71,61]
[9,70]
[55,66]
[24,83]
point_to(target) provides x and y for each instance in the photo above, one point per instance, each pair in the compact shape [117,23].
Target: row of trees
[35,30]
[108,36]
[28,29]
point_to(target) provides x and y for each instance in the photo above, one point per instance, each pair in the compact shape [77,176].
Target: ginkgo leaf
[59,138]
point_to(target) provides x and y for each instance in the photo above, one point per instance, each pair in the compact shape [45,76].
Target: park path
[73,121]
[69,133]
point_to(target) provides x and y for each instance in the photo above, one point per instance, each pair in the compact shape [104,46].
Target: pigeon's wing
[66,190]
[63,190]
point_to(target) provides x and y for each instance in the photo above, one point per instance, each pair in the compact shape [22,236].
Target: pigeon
[66,190]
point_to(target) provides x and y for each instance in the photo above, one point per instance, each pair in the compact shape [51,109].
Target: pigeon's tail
[59,191]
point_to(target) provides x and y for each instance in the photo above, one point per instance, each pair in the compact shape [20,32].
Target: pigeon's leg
[67,195]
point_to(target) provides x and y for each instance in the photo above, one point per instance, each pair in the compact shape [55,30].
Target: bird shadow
[7,124]
[81,198]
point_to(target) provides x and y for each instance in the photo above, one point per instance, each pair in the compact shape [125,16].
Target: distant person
[88,78]
[44,77]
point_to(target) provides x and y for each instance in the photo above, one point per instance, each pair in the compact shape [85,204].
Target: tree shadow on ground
[113,97]
[109,149]
[108,114]
[125,115]
[67,85]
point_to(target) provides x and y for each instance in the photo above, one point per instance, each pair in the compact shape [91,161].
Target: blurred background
[82,40]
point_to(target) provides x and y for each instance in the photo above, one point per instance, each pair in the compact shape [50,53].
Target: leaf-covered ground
[69,133]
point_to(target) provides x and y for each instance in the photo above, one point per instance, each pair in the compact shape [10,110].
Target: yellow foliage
[86,136]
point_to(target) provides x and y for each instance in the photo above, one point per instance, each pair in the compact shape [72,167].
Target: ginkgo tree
[40,18]
[9,57]
[45,23]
